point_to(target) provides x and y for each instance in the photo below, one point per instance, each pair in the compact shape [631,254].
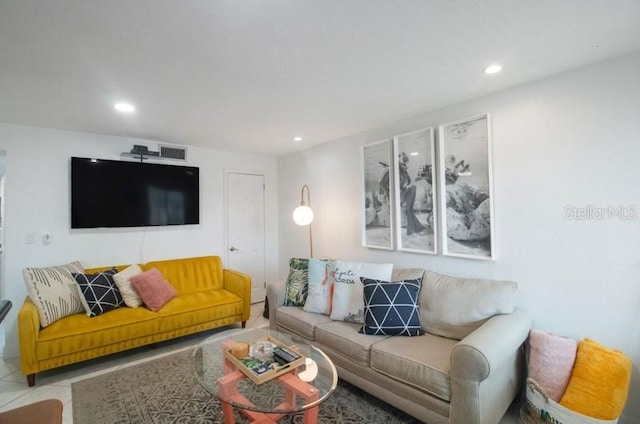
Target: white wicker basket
[539,409]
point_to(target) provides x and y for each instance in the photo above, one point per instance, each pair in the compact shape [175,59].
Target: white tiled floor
[56,383]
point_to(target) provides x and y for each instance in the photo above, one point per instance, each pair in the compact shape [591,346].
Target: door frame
[228,171]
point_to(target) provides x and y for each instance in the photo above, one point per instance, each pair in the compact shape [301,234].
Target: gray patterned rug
[165,391]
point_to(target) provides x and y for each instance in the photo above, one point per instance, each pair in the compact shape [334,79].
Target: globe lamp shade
[303,215]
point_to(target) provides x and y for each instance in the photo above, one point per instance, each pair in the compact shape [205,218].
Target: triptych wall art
[423,198]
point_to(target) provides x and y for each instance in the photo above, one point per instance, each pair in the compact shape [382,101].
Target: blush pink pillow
[551,359]
[153,289]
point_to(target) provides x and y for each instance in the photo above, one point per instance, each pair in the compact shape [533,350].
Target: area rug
[164,390]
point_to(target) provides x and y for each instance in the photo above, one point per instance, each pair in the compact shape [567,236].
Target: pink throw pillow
[153,289]
[551,359]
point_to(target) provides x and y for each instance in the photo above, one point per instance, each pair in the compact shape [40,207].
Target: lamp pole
[310,234]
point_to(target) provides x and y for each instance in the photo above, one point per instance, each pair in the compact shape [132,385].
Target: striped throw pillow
[54,291]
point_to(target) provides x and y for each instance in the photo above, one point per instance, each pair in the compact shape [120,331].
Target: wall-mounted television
[112,194]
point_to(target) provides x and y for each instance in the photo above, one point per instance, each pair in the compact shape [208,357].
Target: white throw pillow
[348,302]
[321,280]
[54,291]
[123,282]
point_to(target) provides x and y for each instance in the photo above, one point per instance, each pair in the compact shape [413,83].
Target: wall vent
[173,152]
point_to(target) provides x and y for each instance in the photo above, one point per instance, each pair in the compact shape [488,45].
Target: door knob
[233,248]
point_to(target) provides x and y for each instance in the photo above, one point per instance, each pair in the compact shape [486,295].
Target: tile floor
[56,383]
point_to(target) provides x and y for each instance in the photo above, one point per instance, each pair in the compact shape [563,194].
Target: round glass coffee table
[296,389]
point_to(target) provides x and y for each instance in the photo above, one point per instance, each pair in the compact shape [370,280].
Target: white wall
[37,201]
[572,139]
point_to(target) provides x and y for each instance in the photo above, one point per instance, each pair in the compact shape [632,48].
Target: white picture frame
[415,188]
[466,188]
[377,199]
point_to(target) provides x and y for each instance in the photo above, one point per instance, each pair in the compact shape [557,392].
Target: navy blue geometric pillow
[99,292]
[391,309]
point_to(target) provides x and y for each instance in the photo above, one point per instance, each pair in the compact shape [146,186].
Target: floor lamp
[303,215]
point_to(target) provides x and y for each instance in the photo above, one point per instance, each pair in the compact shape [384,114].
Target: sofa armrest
[240,285]
[487,369]
[275,296]
[28,329]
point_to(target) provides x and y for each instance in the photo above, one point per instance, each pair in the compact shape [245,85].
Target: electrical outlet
[47,239]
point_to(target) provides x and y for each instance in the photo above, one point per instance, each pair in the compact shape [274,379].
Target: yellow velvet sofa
[209,296]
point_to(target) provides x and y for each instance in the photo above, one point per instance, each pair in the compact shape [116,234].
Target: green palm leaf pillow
[297,282]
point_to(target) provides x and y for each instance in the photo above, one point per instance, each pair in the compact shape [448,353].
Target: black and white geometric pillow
[99,292]
[391,308]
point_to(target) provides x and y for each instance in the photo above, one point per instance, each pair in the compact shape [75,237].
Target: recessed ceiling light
[414,154]
[492,69]
[124,107]
[297,138]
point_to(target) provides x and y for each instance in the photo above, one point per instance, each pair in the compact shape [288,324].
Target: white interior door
[245,229]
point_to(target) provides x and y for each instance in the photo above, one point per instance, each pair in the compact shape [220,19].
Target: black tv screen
[109,193]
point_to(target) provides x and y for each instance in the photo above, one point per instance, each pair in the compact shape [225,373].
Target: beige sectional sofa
[470,376]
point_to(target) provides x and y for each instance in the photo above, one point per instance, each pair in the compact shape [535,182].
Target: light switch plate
[30,238]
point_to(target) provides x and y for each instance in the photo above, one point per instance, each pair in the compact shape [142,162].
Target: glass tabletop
[220,377]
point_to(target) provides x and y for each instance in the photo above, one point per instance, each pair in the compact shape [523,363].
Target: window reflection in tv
[111,194]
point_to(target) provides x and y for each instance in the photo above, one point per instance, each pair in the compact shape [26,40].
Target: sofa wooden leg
[31,380]
[244,324]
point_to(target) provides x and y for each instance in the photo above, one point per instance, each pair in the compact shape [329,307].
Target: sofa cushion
[153,289]
[97,269]
[400,274]
[347,303]
[295,292]
[192,309]
[78,332]
[422,362]
[191,275]
[297,321]
[123,281]
[54,291]
[322,277]
[99,292]
[343,337]
[455,307]
[391,308]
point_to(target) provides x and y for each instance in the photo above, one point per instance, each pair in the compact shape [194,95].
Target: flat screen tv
[111,194]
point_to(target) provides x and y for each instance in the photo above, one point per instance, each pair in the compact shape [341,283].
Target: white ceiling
[249,75]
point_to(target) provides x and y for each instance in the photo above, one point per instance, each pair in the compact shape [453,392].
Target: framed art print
[377,204]
[466,207]
[415,191]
